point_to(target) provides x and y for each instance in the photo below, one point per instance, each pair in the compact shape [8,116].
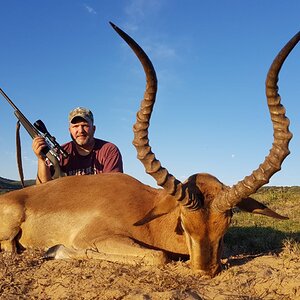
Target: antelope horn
[140,128]
[282,136]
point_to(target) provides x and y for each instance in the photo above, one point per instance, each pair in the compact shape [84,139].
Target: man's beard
[86,142]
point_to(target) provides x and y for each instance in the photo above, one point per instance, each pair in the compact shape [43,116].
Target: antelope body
[115,217]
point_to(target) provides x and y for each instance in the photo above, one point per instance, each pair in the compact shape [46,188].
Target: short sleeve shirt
[104,158]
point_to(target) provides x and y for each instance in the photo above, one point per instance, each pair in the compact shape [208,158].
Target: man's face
[82,132]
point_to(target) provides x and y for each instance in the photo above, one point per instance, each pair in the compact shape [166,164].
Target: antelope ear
[165,206]
[251,205]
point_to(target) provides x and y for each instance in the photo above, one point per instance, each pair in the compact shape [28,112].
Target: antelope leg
[115,249]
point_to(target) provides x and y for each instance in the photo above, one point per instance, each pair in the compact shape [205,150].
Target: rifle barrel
[8,100]
[33,132]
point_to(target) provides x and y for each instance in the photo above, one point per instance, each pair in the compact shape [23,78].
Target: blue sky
[211,59]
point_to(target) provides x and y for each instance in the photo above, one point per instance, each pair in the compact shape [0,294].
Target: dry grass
[247,277]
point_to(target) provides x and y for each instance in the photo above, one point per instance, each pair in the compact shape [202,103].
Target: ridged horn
[282,136]
[141,142]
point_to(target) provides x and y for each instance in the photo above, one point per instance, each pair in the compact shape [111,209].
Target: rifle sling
[19,155]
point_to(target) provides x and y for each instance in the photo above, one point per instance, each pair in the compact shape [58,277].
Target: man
[87,155]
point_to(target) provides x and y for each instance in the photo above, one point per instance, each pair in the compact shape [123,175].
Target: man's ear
[253,206]
[165,206]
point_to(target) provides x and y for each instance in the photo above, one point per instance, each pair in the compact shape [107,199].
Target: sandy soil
[28,276]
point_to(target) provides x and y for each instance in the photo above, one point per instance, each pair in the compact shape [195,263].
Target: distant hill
[7,185]
[270,188]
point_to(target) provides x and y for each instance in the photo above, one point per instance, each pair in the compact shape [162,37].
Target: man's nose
[80,129]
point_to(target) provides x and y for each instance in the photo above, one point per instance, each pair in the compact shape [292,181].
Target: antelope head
[206,204]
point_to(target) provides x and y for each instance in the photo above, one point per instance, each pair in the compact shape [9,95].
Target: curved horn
[282,137]
[140,128]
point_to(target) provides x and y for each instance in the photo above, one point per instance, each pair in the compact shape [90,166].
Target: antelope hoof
[51,253]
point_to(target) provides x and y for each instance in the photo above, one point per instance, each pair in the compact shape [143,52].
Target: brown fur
[93,217]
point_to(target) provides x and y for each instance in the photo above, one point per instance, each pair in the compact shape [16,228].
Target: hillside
[9,184]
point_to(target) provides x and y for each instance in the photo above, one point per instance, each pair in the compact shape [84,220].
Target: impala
[117,218]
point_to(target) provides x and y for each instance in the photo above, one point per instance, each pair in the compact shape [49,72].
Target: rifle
[52,151]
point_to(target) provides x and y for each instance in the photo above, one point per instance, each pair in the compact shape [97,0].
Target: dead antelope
[115,217]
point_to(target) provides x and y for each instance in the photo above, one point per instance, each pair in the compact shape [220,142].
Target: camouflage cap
[81,112]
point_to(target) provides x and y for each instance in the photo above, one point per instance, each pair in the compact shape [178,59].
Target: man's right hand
[38,145]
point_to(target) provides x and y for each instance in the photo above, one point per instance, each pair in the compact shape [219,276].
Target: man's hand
[38,145]
[43,173]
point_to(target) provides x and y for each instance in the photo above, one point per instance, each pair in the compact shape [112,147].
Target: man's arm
[43,171]
[113,160]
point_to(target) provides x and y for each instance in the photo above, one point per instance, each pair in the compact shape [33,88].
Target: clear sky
[211,59]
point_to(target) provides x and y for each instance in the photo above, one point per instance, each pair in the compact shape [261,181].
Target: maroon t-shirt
[105,157]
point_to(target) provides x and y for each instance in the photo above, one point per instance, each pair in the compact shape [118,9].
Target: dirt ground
[28,276]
